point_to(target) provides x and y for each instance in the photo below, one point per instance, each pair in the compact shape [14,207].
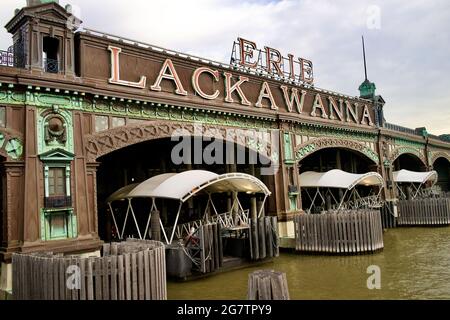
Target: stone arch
[103,143]
[11,144]
[438,155]
[407,150]
[312,146]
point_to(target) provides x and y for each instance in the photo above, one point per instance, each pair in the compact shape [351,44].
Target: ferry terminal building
[83,113]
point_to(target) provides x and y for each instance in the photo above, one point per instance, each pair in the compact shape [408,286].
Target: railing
[415,132]
[7,58]
[372,202]
[398,128]
[51,65]
[58,202]
[226,220]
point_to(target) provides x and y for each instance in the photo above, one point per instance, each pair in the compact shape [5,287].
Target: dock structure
[419,204]
[85,113]
[201,245]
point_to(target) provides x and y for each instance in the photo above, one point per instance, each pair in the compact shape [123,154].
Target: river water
[415,264]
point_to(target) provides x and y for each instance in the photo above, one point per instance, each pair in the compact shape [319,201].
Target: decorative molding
[43,116]
[438,154]
[308,148]
[11,144]
[100,144]
[133,109]
[397,152]
[321,130]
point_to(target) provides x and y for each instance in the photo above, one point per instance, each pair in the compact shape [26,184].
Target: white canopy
[339,179]
[415,177]
[182,186]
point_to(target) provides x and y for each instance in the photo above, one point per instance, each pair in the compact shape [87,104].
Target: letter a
[168,72]
[374,281]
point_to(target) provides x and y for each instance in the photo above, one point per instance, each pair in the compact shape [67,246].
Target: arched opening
[336,158]
[442,166]
[50,54]
[328,159]
[139,162]
[409,162]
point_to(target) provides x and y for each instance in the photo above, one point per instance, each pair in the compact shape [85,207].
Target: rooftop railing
[398,128]
[415,132]
[7,58]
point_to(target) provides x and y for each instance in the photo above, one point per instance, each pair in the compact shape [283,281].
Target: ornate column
[69,50]
[35,46]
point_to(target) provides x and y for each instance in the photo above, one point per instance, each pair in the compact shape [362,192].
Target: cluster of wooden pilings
[267,285]
[428,211]
[344,232]
[211,257]
[130,270]
[264,238]
[388,218]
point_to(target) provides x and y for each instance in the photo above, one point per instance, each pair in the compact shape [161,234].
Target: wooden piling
[267,285]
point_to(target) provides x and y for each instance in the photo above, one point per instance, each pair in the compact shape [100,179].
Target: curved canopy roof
[415,177]
[182,186]
[339,179]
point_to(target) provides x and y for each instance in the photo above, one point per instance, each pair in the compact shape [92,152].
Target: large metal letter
[195,82]
[229,89]
[168,72]
[115,71]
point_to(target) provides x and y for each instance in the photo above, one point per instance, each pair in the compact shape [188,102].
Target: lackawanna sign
[174,78]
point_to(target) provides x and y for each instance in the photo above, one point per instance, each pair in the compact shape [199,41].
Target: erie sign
[270,62]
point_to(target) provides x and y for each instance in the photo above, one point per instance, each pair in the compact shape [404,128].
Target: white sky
[408,44]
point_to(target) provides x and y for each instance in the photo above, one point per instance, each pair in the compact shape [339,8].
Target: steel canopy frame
[194,191]
[416,180]
[416,183]
[338,179]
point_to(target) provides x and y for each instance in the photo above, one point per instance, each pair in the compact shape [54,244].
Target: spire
[364,57]
[367,88]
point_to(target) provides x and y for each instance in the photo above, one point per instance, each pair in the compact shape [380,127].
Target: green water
[415,264]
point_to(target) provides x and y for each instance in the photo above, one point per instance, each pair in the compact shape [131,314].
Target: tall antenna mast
[364,56]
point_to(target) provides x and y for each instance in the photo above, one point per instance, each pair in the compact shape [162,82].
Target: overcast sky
[407,42]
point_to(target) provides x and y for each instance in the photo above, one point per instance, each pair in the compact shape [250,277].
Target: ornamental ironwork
[51,65]
[7,58]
